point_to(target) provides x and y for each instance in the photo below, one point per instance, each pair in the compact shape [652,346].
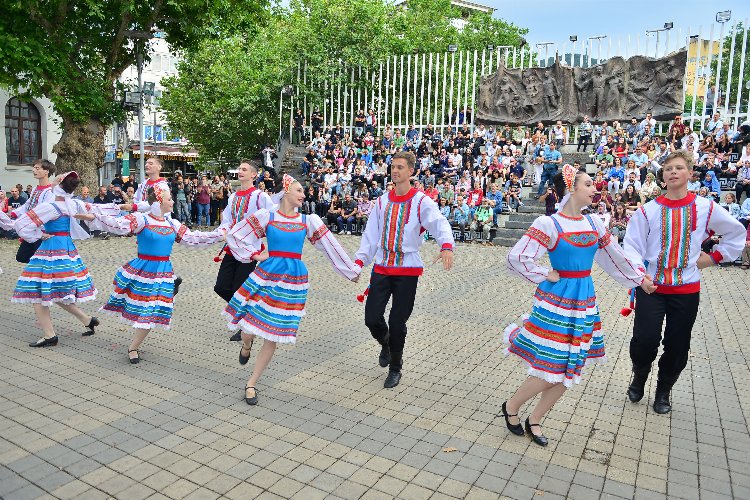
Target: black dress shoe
[236,337]
[91,327]
[177,283]
[44,342]
[385,354]
[392,379]
[516,429]
[245,359]
[136,359]
[540,439]
[253,400]
[661,401]
[637,387]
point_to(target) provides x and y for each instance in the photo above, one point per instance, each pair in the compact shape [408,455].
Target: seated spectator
[745,212]
[445,209]
[460,216]
[694,184]
[650,189]
[550,200]
[348,214]
[513,193]
[619,222]
[334,211]
[311,198]
[364,207]
[603,196]
[631,199]
[743,175]
[495,199]
[730,204]
[632,180]
[616,176]
[602,213]
[711,183]
[713,126]
[482,220]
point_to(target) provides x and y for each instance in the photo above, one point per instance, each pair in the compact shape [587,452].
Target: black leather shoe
[44,342]
[385,354]
[236,337]
[245,359]
[177,283]
[91,327]
[136,359]
[538,439]
[392,379]
[661,401]
[637,387]
[516,429]
[253,400]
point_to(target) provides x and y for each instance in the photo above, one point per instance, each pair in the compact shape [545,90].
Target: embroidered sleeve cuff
[446,246]
[13,215]
[262,248]
[716,256]
[359,263]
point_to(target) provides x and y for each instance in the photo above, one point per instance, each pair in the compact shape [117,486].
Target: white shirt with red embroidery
[140,198]
[240,204]
[135,222]
[668,234]
[40,194]
[245,240]
[393,234]
[543,235]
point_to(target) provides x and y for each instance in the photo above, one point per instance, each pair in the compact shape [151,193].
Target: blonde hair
[680,154]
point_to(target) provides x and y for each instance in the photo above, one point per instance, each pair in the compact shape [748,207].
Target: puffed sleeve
[438,226]
[29,224]
[530,248]
[226,214]
[5,222]
[611,257]
[267,202]
[111,209]
[732,234]
[196,239]
[127,224]
[245,239]
[369,244]
[322,239]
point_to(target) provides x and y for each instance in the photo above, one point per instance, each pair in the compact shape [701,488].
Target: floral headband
[287,181]
[569,175]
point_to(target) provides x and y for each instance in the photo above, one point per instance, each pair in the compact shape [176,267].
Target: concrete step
[510,233]
[531,209]
[522,217]
[503,241]
[512,224]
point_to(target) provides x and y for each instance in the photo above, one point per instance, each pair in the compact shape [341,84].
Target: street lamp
[452,48]
[546,50]
[599,57]
[285,90]
[667,27]
[573,40]
[139,37]
[722,18]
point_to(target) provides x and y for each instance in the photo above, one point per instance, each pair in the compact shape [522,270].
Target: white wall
[11,175]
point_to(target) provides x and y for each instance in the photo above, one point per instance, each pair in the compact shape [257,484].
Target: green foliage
[73,51]
[226,97]
[737,79]
[689,105]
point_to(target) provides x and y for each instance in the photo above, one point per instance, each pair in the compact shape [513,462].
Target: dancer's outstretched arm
[29,224]
[523,257]
[245,239]
[322,239]
[131,223]
[612,258]
[196,239]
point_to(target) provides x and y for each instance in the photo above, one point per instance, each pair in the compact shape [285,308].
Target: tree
[74,51]
[737,78]
[226,96]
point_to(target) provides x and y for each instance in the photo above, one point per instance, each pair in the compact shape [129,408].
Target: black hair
[70,183]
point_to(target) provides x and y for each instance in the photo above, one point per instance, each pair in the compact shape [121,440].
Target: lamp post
[722,18]
[667,27]
[285,90]
[546,50]
[139,37]
[599,56]
[573,40]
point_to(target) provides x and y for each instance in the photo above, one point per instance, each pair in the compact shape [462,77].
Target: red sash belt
[574,274]
[59,233]
[288,255]
[160,258]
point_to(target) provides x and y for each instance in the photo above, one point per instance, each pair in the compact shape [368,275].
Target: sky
[548,21]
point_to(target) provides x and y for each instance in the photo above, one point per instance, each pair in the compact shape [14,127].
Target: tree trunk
[81,148]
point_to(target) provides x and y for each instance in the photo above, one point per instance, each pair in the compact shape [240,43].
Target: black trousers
[403,290]
[232,274]
[680,312]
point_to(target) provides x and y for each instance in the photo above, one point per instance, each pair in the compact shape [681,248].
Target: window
[23,132]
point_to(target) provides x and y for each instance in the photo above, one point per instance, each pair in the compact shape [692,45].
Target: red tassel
[217,259]
[625,311]
[361,296]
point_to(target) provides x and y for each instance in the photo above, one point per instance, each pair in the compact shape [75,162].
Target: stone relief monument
[615,90]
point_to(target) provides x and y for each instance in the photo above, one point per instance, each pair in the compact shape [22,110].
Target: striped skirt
[271,302]
[143,295]
[55,273]
[562,334]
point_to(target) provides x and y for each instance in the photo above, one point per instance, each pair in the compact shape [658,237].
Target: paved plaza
[78,421]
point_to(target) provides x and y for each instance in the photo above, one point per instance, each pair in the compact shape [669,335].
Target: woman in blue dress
[55,274]
[563,333]
[271,302]
[143,294]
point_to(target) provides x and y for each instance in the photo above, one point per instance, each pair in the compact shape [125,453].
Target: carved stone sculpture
[614,90]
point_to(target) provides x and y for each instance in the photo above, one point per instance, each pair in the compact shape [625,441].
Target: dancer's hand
[85,217]
[648,284]
[447,257]
[705,260]
[553,276]
[126,207]
[45,236]
[261,256]
[356,278]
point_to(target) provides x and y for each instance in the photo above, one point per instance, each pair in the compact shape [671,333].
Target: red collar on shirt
[682,202]
[151,182]
[245,192]
[44,187]
[392,196]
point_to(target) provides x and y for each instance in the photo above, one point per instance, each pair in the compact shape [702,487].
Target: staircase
[291,160]
[517,223]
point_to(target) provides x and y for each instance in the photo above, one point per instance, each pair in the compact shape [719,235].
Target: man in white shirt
[714,125]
